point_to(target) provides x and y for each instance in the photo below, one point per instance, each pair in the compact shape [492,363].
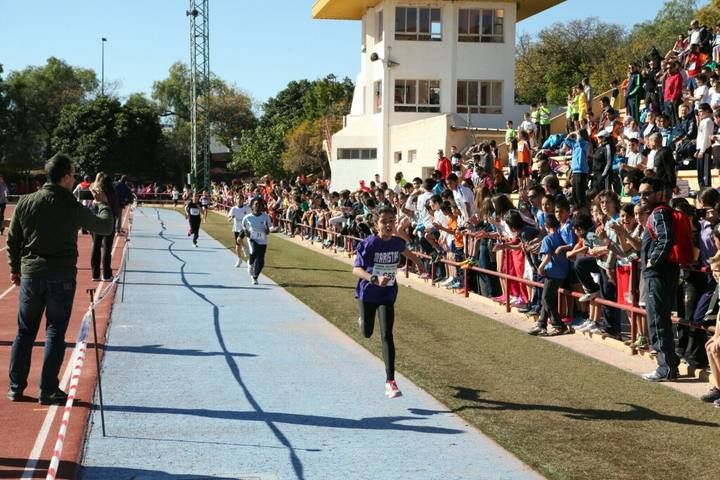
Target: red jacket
[444,167]
[673,87]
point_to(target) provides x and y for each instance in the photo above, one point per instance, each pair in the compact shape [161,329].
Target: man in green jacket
[42,252]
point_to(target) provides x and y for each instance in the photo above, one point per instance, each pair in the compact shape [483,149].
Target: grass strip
[564,414]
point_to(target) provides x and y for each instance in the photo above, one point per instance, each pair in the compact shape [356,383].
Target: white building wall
[447,60]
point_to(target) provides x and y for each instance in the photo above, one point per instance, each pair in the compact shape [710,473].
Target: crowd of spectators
[579,211]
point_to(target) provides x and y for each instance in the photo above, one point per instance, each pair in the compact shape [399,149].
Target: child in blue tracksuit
[554,267]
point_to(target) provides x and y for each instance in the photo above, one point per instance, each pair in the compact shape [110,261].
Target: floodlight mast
[200,94]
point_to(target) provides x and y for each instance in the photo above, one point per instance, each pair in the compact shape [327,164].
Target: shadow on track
[229,359]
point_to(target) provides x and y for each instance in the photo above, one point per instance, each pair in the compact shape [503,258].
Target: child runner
[175,197]
[376,266]
[205,203]
[193,215]
[257,228]
[236,214]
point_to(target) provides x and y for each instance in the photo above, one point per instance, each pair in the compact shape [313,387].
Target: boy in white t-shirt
[257,228]
[236,215]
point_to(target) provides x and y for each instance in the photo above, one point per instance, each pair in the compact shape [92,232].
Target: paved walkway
[207,376]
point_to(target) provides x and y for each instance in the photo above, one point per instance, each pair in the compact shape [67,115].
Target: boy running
[236,215]
[376,266]
[193,215]
[257,229]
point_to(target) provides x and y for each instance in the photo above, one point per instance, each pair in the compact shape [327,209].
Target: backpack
[683,249]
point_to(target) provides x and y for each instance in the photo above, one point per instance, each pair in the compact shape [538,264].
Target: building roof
[355,9]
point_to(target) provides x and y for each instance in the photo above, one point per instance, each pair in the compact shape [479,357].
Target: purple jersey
[378,257]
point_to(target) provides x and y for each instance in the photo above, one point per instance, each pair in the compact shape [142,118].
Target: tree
[139,134]
[103,135]
[565,52]
[38,96]
[304,152]
[562,55]
[328,97]
[174,92]
[86,132]
[287,108]
[231,114]
[673,18]
[260,150]
[709,14]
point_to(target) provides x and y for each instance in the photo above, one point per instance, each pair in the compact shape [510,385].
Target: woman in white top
[236,215]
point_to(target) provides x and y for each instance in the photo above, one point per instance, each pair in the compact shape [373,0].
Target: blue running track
[208,376]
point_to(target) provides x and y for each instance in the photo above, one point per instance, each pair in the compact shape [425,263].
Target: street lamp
[102,69]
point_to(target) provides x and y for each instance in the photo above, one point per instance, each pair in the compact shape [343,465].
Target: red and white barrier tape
[78,364]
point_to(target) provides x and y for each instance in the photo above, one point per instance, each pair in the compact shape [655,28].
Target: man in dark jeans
[661,280]
[42,252]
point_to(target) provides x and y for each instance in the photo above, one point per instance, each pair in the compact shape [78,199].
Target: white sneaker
[238,263]
[585,325]
[254,281]
[447,282]
[194,245]
[392,390]
[596,329]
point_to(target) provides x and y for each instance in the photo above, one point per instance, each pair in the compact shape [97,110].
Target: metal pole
[102,69]
[91,291]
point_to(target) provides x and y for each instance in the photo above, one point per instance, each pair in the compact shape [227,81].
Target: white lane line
[2,295]
[41,439]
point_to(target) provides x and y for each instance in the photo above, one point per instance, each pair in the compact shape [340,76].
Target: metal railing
[633,310]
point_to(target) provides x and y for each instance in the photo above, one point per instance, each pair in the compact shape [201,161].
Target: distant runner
[236,215]
[193,215]
[205,204]
[376,265]
[257,229]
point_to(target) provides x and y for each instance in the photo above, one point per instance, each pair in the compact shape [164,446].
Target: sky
[258,46]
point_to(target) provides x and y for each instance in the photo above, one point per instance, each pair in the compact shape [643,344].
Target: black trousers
[579,188]
[703,168]
[386,316]
[102,250]
[661,289]
[195,227]
[549,301]
[256,258]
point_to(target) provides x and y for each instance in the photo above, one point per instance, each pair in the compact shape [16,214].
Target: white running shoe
[392,390]
[238,263]
[194,245]
[254,281]
[585,325]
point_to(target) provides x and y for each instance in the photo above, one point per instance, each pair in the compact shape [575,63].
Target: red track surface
[20,422]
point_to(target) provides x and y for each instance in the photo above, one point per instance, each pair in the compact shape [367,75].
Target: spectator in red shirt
[673,92]
[363,187]
[443,165]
